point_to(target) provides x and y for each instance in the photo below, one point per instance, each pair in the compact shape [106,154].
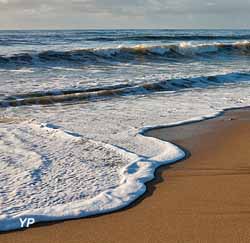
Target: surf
[125,54]
[111,91]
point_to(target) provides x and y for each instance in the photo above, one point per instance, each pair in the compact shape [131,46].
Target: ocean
[74,105]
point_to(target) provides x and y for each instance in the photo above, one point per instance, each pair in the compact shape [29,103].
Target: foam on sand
[50,172]
[84,159]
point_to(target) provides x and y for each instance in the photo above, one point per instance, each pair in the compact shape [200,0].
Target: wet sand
[205,198]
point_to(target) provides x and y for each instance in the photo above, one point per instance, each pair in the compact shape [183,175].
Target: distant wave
[141,53]
[43,39]
[170,38]
[70,95]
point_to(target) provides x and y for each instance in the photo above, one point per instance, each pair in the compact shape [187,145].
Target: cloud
[108,13]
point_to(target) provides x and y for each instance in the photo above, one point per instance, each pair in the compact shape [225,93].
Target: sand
[205,198]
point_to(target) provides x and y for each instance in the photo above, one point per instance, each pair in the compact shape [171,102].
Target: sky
[92,14]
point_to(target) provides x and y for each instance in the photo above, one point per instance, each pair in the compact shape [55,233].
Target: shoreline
[154,183]
[145,175]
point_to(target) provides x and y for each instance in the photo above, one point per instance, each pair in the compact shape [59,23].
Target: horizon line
[41,29]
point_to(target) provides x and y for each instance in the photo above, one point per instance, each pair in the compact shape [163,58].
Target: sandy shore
[205,198]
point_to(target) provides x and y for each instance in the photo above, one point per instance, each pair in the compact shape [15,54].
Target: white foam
[74,138]
[21,70]
[188,48]
[132,177]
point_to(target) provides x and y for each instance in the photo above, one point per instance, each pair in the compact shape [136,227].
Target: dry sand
[205,198]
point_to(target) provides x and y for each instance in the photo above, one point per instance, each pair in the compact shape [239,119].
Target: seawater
[74,105]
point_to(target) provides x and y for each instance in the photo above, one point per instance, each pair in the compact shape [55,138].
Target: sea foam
[45,184]
[101,162]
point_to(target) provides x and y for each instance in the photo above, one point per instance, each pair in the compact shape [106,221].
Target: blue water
[60,61]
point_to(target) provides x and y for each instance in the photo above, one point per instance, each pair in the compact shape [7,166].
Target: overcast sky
[51,14]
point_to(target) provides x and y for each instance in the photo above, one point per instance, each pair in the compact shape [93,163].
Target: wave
[140,53]
[78,94]
[170,38]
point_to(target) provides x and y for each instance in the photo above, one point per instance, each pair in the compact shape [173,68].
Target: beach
[204,198]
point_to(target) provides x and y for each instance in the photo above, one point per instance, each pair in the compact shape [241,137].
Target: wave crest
[75,95]
[170,38]
[125,53]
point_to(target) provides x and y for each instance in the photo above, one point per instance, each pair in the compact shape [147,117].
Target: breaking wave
[171,38]
[139,53]
[77,94]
